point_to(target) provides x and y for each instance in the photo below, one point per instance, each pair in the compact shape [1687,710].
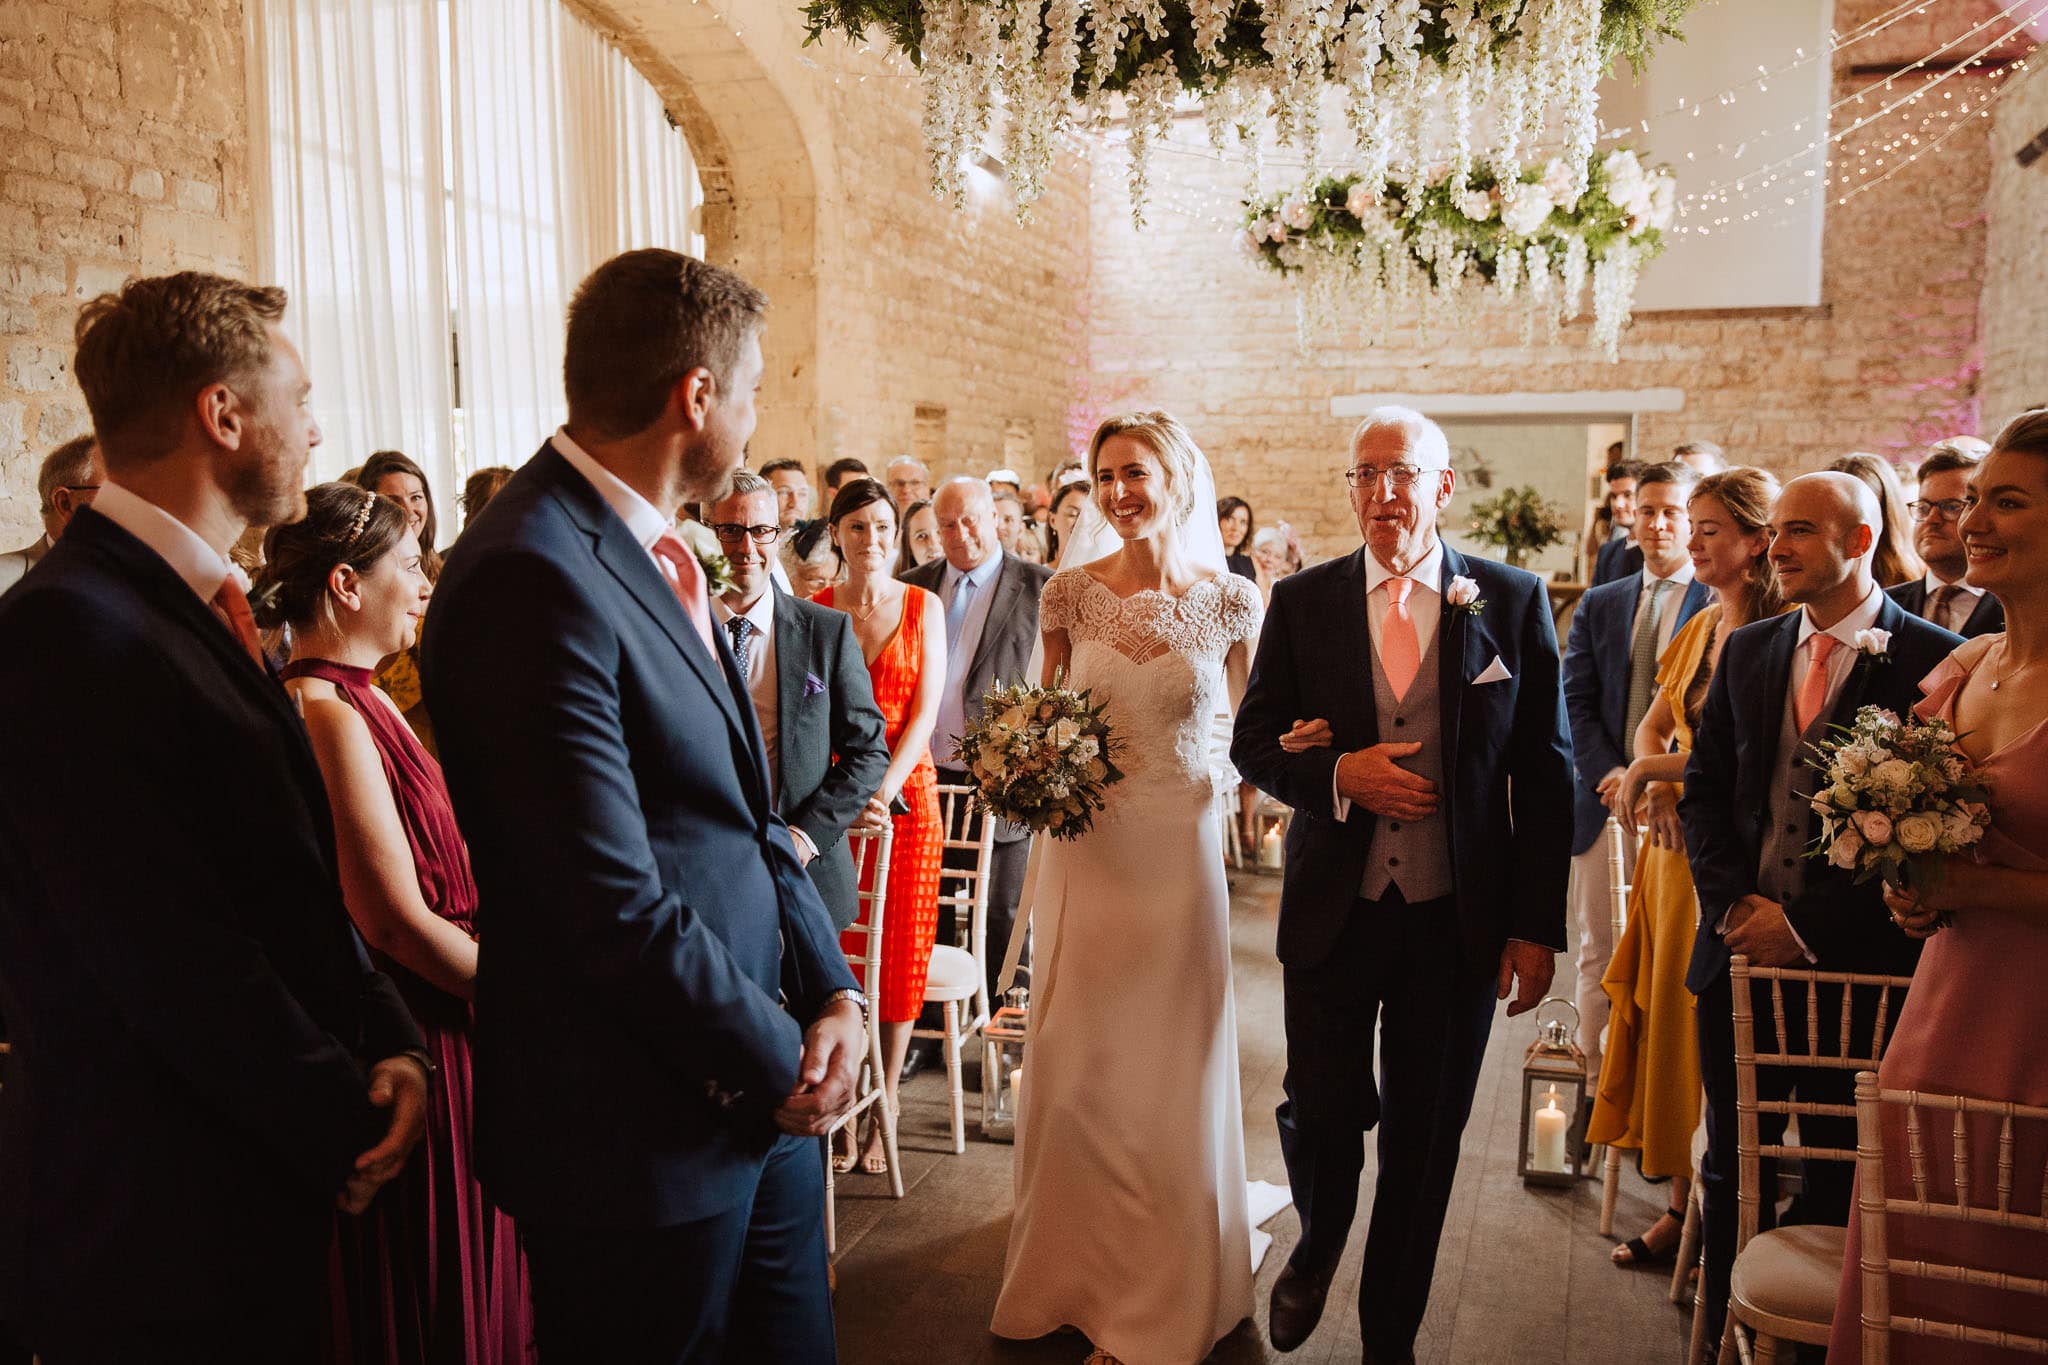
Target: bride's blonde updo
[1163,435]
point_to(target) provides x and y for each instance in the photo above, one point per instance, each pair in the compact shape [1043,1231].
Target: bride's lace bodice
[1157,661]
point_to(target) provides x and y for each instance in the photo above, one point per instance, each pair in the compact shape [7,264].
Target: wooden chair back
[1953,1161]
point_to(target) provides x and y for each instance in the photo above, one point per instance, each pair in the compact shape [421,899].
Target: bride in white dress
[1131,1222]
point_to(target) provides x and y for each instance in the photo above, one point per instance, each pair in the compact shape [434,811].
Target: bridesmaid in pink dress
[430,1272]
[1977,1017]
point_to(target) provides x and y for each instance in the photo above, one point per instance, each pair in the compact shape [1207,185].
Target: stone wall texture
[124,147]
[2014,313]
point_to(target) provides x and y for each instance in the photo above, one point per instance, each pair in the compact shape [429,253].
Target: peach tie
[688,584]
[1400,650]
[233,606]
[1813,688]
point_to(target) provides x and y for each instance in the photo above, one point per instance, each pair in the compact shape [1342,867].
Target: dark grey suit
[1001,656]
[830,744]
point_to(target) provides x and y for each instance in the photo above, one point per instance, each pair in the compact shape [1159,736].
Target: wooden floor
[1522,1274]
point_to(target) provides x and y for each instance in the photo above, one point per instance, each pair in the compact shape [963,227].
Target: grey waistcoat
[1414,855]
[1788,816]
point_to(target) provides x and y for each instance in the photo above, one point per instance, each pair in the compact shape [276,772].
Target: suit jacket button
[1791,862]
[1395,828]
[1399,722]
[1393,862]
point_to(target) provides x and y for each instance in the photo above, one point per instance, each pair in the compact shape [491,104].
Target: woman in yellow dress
[1649,1096]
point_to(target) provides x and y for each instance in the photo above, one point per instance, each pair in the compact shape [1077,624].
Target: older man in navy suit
[1748,827]
[1610,677]
[1431,783]
[664,1016]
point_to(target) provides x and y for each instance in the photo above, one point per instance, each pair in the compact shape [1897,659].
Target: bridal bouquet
[1040,757]
[1896,796]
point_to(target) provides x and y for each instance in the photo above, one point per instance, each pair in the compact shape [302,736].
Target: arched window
[432,181]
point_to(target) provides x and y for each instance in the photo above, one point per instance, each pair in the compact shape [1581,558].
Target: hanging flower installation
[1402,66]
[1438,242]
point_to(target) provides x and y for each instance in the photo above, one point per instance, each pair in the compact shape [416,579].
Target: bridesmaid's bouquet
[1040,757]
[1896,796]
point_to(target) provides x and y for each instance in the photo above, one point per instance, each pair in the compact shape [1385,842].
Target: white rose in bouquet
[1623,175]
[1874,825]
[1528,211]
[1919,832]
[1844,851]
[1297,213]
[1476,205]
[1065,732]
[1894,775]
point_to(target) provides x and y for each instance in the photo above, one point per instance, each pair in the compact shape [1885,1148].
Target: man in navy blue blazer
[1610,677]
[665,1021]
[204,1061]
[1405,702]
[1779,685]
[1619,556]
[1944,594]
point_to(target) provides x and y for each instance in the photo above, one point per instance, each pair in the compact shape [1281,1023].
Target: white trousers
[1592,907]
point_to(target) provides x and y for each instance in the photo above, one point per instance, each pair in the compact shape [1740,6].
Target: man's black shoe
[1296,1308]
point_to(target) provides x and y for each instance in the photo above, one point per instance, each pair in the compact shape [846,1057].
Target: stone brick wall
[123,147]
[2014,313]
[1179,319]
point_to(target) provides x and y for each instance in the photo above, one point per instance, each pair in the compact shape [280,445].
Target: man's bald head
[1844,496]
[1824,529]
[966,510]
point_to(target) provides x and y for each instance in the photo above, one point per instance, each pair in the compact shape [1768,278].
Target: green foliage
[1518,521]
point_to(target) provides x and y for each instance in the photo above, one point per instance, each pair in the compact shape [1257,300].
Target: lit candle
[1017,1088]
[1550,1123]
[1269,847]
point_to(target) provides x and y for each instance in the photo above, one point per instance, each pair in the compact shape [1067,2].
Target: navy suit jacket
[1507,756]
[1727,793]
[1986,618]
[191,1011]
[831,745]
[1596,659]
[1617,559]
[642,914]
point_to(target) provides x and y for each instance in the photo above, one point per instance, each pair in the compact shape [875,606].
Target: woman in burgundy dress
[431,1272]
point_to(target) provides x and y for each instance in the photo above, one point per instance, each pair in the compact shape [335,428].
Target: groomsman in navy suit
[1405,701]
[1778,687]
[205,1063]
[1944,596]
[1620,556]
[1610,678]
[665,1021]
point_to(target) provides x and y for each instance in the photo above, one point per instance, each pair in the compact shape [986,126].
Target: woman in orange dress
[902,634]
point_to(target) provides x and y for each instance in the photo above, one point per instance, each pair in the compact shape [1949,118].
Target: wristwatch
[847,993]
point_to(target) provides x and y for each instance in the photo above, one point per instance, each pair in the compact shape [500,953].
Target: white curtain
[440,175]
[348,175]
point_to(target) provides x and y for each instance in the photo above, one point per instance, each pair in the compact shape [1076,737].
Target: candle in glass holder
[1550,1124]
[1269,847]
[1017,1089]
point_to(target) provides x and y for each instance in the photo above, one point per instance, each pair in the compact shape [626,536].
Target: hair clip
[362,518]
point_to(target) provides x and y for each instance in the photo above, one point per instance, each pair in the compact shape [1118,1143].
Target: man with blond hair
[204,1062]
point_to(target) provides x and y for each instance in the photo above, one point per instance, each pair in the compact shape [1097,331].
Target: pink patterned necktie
[688,584]
[1400,650]
[1813,689]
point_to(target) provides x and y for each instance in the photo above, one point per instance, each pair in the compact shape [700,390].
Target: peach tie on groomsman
[232,604]
[1813,688]
[1400,650]
[688,583]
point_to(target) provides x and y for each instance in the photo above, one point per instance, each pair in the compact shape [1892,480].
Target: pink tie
[1813,689]
[688,584]
[1400,651]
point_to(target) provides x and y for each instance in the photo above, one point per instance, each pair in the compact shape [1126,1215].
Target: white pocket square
[1495,672]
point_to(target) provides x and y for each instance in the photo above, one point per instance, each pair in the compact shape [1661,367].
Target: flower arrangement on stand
[1537,237]
[1519,522]
[1402,65]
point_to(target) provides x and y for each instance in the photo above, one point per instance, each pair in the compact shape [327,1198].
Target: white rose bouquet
[1041,757]
[1895,798]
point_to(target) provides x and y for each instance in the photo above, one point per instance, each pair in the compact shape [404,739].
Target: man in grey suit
[991,602]
[71,474]
[823,734]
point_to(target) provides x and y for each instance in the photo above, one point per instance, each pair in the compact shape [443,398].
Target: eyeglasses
[760,535]
[1396,475]
[1948,509]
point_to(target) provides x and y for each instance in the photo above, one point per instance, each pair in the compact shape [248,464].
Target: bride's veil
[1200,542]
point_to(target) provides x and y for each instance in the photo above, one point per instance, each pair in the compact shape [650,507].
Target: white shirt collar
[762,613]
[1428,573]
[1961,585]
[1861,617]
[177,544]
[1681,575]
[647,522]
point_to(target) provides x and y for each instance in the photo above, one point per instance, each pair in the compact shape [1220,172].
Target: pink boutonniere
[1463,594]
